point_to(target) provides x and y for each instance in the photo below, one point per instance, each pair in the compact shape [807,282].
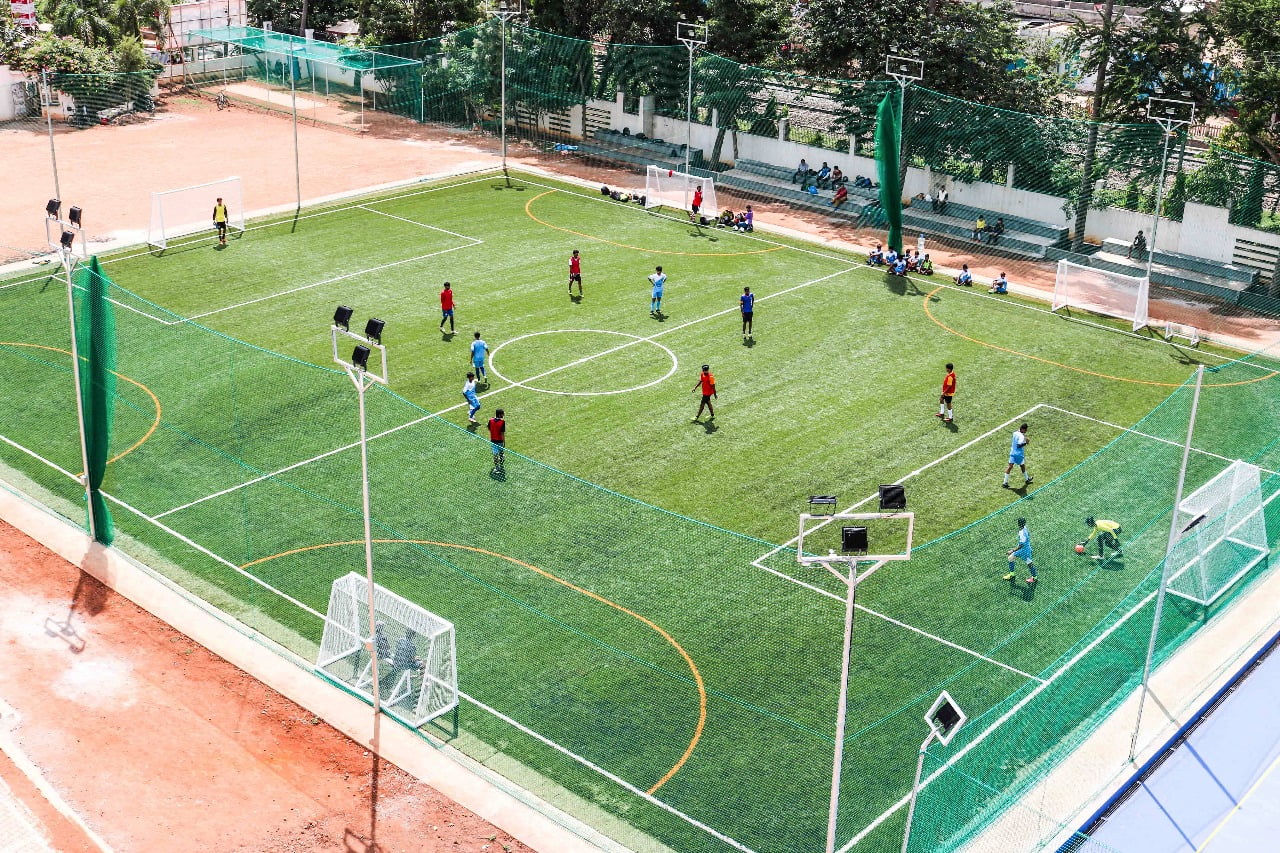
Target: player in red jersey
[948,391]
[498,436]
[575,273]
[446,307]
[696,205]
[707,383]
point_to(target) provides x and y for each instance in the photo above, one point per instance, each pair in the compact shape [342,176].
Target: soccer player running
[707,383]
[220,221]
[1018,454]
[948,392]
[446,307]
[479,349]
[1108,533]
[1022,552]
[469,394]
[575,273]
[498,437]
[659,280]
[747,302]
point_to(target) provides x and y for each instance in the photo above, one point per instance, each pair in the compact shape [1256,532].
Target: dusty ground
[158,745]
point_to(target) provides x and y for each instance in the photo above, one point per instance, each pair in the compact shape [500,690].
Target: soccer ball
[1079,549]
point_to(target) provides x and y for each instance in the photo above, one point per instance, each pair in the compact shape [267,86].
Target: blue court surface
[1217,788]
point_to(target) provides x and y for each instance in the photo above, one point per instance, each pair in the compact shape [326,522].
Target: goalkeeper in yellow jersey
[1107,533]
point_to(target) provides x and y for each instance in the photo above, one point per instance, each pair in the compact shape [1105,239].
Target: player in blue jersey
[659,280]
[479,349]
[469,394]
[747,302]
[1022,552]
[1018,454]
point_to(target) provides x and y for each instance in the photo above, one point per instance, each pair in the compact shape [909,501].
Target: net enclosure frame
[678,190]
[1065,295]
[873,523]
[419,647]
[161,231]
[1224,535]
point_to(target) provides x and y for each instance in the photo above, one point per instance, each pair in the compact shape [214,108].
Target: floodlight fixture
[68,240]
[360,357]
[892,498]
[822,504]
[53,207]
[373,330]
[342,317]
[74,214]
[853,540]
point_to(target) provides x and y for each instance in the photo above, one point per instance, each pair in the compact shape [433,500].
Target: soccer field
[636,641]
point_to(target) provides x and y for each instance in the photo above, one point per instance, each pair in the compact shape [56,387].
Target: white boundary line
[493,365]
[487,394]
[369,209]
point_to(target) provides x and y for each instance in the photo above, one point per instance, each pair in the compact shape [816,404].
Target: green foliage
[391,21]
[64,56]
[1253,26]
[1214,183]
[286,15]
[129,55]
[91,21]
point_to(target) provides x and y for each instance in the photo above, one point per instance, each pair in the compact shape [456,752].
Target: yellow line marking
[155,424]
[693,668]
[529,212]
[945,327]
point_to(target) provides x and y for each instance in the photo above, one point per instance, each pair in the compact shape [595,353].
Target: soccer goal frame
[1224,535]
[1110,294]
[188,210]
[672,188]
[416,650]
[1184,331]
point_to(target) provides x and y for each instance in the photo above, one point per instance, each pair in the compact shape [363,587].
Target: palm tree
[91,21]
[132,15]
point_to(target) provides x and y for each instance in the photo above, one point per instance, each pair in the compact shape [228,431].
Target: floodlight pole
[1170,115]
[1164,572]
[48,114]
[297,166]
[504,13]
[915,790]
[692,36]
[905,70]
[68,266]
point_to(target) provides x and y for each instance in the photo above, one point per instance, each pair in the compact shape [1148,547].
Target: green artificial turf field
[632,632]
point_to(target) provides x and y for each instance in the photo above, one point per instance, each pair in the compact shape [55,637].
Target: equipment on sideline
[189,210]
[669,188]
[1102,292]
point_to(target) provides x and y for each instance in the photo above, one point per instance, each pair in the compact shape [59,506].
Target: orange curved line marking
[947,328]
[155,424]
[693,668]
[528,212]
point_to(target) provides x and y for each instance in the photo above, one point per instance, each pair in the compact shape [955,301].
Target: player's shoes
[1029,479]
[1095,556]
[938,415]
[1005,484]
[946,420]
[1010,576]
[1031,579]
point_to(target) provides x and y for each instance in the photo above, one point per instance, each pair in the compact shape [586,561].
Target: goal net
[1102,292]
[188,210]
[414,649]
[1224,534]
[669,188]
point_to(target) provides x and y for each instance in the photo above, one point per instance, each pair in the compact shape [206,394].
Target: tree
[575,18]
[90,21]
[131,16]
[394,21]
[286,15]
[1252,29]
[749,31]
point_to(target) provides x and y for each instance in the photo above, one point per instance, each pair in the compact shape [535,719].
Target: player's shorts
[946,398]
[478,363]
[221,226]
[657,293]
[498,447]
[575,276]
[747,315]
[472,399]
[706,398]
[1017,458]
[446,313]
[1023,554]
[694,208]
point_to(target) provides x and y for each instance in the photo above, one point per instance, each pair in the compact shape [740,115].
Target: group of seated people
[909,261]
[812,180]
[1000,284]
[982,232]
[744,221]
[622,195]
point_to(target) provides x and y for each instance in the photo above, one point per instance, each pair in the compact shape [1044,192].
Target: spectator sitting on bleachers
[926,266]
[934,201]
[928,197]
[876,256]
[980,228]
[801,171]
[746,221]
[824,176]
[994,232]
[841,196]
[1139,247]
[1000,285]
[965,278]
[942,201]
[837,176]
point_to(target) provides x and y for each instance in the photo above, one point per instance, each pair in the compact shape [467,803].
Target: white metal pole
[1164,572]
[841,711]
[688,123]
[53,151]
[915,791]
[297,165]
[1155,220]
[358,377]
[503,18]
[68,264]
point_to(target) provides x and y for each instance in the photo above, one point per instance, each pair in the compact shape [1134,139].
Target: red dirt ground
[160,745]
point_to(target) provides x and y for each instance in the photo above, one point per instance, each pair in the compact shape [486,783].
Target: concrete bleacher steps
[625,148]
[1216,272]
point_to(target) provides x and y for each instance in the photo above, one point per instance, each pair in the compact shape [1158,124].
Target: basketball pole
[1164,572]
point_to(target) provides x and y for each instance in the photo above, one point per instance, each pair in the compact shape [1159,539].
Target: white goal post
[1102,292]
[1223,534]
[669,188]
[1185,331]
[188,210]
[417,664]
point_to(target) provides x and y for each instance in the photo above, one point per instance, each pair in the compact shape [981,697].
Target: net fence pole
[915,792]
[68,266]
[692,36]
[361,387]
[297,164]
[1164,572]
[842,707]
[48,114]
[1155,218]
[1169,114]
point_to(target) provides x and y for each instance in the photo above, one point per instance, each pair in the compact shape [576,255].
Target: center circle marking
[493,362]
